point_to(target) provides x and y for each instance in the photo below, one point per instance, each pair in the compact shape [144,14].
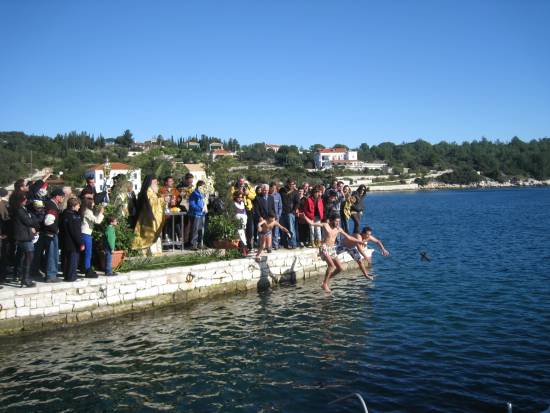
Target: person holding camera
[248,194]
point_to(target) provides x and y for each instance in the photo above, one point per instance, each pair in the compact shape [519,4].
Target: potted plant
[222,231]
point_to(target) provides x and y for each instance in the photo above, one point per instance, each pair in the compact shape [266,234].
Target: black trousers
[70,262]
[249,228]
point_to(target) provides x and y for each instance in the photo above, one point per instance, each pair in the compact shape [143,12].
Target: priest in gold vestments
[150,218]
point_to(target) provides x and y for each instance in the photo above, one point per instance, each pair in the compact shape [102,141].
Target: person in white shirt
[240,214]
[89,219]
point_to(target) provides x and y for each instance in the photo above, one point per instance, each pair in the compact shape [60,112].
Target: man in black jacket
[23,233]
[291,202]
[264,205]
[4,231]
[47,245]
[70,232]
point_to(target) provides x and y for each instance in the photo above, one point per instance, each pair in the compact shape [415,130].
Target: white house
[272,147]
[104,173]
[215,146]
[193,145]
[324,157]
[197,169]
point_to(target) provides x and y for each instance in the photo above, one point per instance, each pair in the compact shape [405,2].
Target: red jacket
[309,208]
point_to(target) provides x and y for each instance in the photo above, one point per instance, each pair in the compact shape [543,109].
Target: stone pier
[48,306]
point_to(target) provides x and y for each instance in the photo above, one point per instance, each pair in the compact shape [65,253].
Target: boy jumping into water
[265,229]
[327,250]
[358,252]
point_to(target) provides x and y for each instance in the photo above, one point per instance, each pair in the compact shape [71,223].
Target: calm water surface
[465,332]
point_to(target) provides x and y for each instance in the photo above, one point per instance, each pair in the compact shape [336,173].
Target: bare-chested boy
[265,229]
[327,250]
[358,251]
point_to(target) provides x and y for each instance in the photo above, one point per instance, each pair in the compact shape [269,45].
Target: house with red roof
[324,158]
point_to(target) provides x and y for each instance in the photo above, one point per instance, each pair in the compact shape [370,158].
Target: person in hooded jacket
[23,232]
[70,236]
[4,234]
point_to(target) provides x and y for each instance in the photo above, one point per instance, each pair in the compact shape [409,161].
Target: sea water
[467,331]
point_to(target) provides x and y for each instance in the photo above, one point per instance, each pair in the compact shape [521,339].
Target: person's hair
[331,193]
[237,181]
[111,219]
[316,188]
[361,188]
[271,215]
[200,183]
[340,182]
[366,229]
[72,202]
[237,195]
[86,204]
[271,184]
[20,183]
[346,186]
[86,191]
[188,175]
[290,180]
[90,178]
[333,216]
[167,178]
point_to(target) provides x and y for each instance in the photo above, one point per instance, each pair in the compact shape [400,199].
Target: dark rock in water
[424,256]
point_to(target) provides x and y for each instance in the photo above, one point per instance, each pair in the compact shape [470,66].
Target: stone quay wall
[49,306]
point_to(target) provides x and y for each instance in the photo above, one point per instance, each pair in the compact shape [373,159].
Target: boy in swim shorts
[358,251]
[265,229]
[327,250]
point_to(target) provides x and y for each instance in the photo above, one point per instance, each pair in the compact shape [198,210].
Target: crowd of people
[43,230]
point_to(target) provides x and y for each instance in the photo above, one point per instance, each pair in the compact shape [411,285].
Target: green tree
[126,139]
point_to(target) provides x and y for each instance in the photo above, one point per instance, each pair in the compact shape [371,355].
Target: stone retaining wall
[54,305]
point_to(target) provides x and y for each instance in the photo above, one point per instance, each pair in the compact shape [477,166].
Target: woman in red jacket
[314,210]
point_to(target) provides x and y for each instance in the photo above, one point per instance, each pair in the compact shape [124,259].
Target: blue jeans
[345,224]
[275,237]
[108,261]
[289,222]
[198,225]
[87,241]
[52,266]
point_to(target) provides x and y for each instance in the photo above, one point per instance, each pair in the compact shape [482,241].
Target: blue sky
[290,72]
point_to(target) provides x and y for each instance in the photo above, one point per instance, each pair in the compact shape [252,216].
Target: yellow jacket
[247,199]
